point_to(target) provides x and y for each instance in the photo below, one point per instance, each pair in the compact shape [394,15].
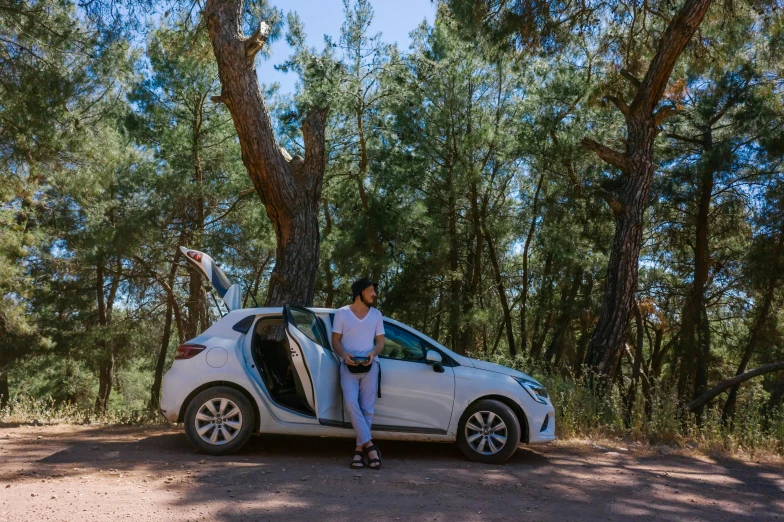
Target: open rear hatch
[230,293]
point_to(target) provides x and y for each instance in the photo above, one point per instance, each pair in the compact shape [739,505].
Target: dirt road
[92,473]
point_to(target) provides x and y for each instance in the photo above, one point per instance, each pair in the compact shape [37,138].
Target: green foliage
[583,413]
[455,177]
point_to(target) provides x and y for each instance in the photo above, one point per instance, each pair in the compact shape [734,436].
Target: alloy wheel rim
[218,421]
[486,433]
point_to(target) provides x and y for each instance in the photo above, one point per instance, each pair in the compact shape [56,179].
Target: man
[357,338]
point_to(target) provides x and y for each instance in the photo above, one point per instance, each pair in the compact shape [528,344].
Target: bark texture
[629,203]
[289,187]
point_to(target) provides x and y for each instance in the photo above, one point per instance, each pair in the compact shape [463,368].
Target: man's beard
[369,304]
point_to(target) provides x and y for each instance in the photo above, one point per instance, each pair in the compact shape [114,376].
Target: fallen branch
[723,386]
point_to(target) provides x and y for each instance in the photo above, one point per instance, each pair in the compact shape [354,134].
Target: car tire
[481,428]
[219,421]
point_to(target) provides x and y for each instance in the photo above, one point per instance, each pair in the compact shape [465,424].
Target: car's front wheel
[219,421]
[489,432]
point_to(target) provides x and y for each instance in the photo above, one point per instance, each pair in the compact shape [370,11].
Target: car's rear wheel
[219,421]
[489,432]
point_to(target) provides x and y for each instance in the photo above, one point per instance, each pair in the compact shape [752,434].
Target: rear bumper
[176,385]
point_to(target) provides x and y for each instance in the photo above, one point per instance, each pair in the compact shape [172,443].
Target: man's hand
[347,360]
[370,360]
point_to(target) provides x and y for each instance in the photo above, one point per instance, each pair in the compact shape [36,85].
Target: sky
[395,19]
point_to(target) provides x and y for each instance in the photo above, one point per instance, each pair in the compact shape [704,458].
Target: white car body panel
[413,396]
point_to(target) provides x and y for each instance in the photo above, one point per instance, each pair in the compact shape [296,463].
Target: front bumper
[541,424]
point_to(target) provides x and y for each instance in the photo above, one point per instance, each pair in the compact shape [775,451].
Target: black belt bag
[360,368]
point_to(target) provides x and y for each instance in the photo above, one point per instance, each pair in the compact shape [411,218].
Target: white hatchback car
[231,381]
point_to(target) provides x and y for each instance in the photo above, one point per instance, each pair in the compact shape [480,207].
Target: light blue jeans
[359,392]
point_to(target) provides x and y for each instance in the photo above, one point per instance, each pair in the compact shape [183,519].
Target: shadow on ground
[300,477]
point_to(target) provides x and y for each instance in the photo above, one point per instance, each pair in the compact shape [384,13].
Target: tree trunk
[756,330]
[372,234]
[194,302]
[499,285]
[537,339]
[4,363]
[474,276]
[106,363]
[695,330]
[562,323]
[629,204]
[289,188]
[631,394]
[657,355]
[454,280]
[105,306]
[155,393]
[526,275]
[586,319]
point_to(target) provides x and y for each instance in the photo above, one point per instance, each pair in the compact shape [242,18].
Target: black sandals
[373,461]
[358,464]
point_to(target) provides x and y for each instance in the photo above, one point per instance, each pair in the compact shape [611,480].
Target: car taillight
[194,255]
[186,351]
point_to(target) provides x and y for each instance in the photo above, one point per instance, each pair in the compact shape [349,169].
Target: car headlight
[534,389]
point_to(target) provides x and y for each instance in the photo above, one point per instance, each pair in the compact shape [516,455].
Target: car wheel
[489,432]
[219,421]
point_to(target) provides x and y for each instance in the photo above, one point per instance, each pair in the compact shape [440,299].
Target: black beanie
[359,286]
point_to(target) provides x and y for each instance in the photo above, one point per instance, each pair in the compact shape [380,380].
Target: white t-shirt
[359,337]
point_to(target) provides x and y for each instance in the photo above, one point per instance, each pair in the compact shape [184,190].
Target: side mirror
[434,359]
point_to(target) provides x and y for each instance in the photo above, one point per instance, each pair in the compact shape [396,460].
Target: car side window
[308,324]
[402,345]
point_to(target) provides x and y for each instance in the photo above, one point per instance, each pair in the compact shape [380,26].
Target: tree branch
[632,78]
[169,292]
[242,195]
[257,40]
[663,113]
[611,199]
[618,102]
[687,139]
[673,41]
[711,394]
[613,157]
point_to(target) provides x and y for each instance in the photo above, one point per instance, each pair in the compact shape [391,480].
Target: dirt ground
[150,473]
